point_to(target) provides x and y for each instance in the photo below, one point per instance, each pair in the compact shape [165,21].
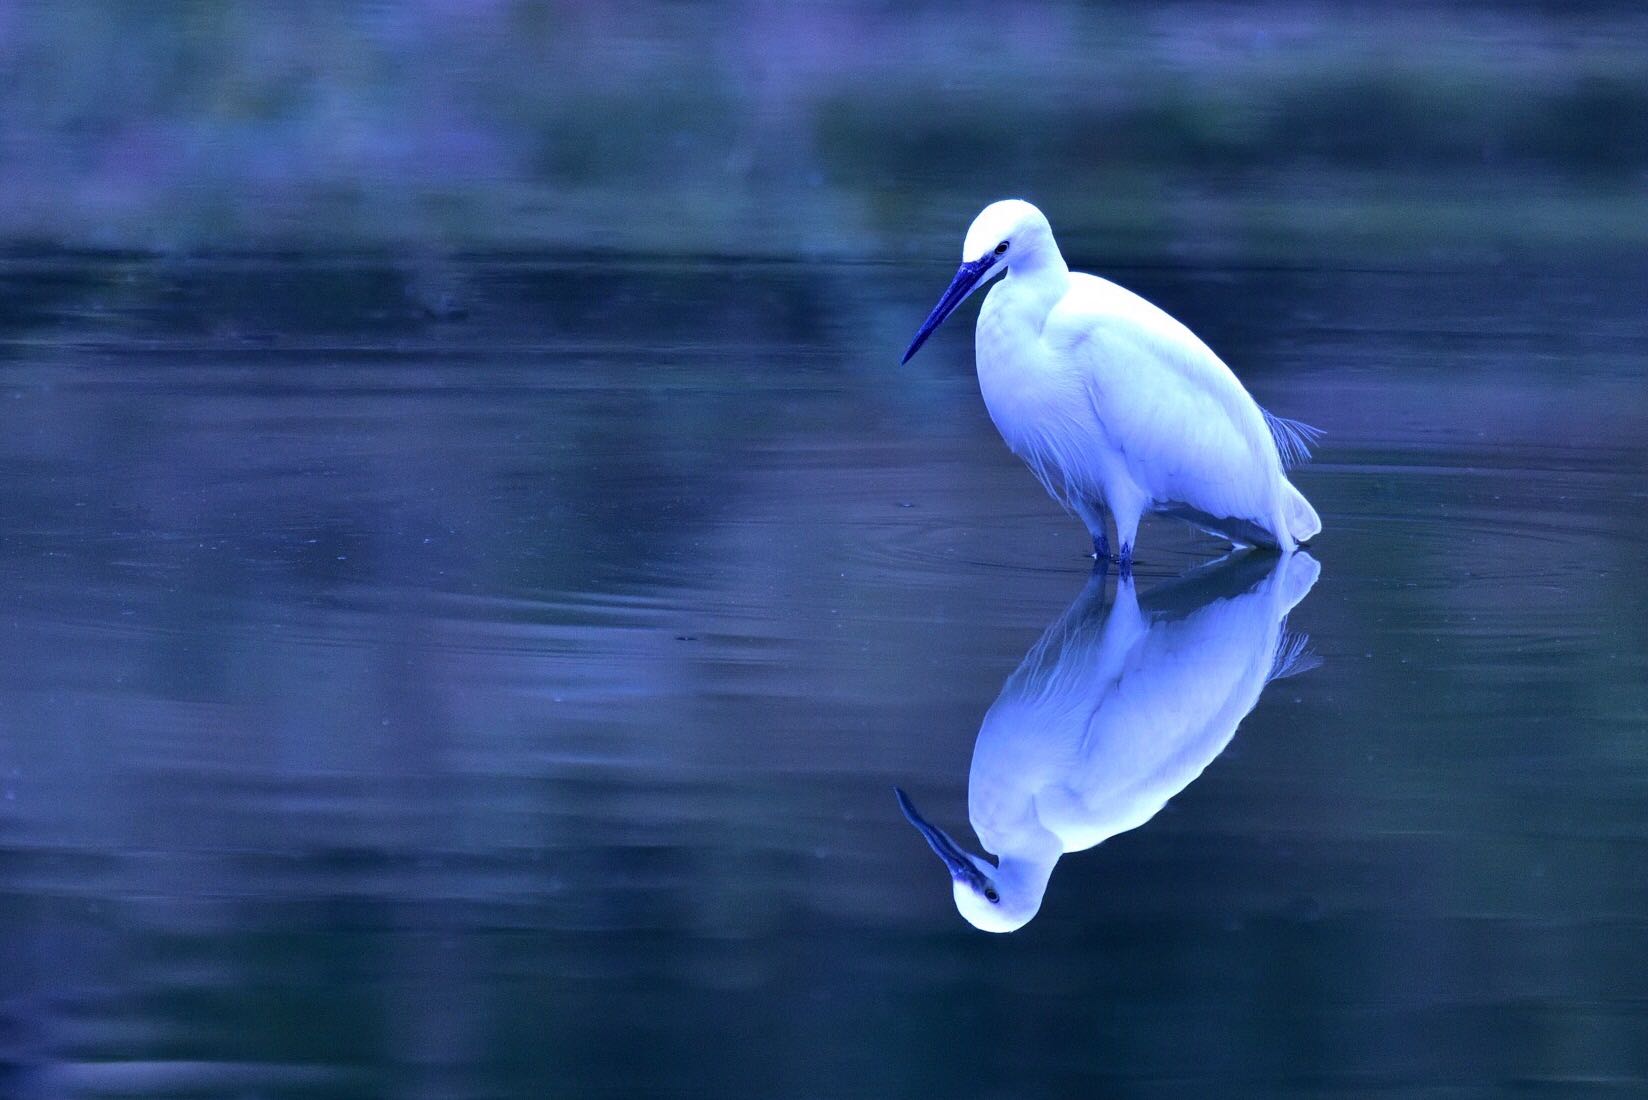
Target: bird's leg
[1127,530]
[1093,514]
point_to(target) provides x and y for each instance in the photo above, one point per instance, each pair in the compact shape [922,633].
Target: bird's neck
[1027,844]
[1041,277]
[1026,875]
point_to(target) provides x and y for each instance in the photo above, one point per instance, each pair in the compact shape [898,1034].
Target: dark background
[862,131]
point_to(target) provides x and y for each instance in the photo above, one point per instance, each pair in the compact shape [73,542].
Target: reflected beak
[966,281]
[956,861]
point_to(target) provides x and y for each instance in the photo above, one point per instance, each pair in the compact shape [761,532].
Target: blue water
[499,690]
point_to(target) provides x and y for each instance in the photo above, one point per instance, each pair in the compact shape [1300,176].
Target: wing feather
[1187,429]
[1294,438]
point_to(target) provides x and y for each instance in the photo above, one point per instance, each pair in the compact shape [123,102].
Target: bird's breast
[1020,381]
[1035,399]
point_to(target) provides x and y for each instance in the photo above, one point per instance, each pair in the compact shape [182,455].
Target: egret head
[994,899]
[1006,234]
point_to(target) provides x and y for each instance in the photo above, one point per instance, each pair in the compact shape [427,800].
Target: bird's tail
[1302,521]
[1292,580]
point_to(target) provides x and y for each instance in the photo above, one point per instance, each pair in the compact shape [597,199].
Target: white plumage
[1114,405]
[1111,715]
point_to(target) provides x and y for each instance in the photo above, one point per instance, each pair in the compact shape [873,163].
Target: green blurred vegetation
[1296,131]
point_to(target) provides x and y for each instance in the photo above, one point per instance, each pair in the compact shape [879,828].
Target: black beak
[962,285]
[955,860]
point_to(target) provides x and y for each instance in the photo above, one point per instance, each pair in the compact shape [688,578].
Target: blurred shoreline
[1194,133]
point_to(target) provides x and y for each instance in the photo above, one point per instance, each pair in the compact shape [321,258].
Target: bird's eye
[990,895]
[1000,248]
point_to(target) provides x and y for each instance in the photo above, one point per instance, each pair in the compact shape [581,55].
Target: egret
[1109,716]
[1114,405]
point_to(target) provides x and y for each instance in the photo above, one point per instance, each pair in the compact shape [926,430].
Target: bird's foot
[1102,557]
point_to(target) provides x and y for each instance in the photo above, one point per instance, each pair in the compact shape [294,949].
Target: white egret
[1114,405]
[1109,716]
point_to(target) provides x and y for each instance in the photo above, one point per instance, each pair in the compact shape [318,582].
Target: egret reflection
[1112,713]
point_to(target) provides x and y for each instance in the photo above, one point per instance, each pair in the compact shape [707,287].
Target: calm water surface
[490,679]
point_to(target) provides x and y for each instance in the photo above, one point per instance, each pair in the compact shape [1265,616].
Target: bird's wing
[1186,428]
